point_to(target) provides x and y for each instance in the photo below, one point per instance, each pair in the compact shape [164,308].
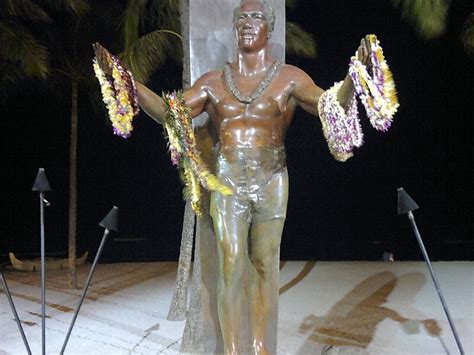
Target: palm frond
[26,9]
[467,36]
[163,14]
[20,47]
[77,7]
[427,16]
[299,42]
[130,23]
[147,54]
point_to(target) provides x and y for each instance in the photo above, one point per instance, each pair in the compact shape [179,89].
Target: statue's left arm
[336,107]
[307,93]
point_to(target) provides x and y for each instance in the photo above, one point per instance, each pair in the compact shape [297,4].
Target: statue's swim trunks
[259,180]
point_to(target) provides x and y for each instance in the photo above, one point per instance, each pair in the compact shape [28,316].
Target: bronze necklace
[230,81]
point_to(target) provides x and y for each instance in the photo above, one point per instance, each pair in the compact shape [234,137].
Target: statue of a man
[251,103]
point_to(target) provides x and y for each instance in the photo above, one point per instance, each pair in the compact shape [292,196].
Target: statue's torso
[262,123]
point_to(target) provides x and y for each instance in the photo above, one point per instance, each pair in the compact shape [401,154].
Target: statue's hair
[267,11]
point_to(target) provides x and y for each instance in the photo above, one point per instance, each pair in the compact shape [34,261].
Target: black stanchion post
[41,185]
[15,314]
[110,223]
[405,206]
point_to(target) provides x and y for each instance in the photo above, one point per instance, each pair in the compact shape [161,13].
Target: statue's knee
[263,265]
[232,267]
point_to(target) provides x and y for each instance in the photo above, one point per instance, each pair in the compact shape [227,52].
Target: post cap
[405,202]
[110,221]
[41,183]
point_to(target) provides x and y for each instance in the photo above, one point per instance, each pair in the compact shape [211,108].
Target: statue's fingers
[97,50]
[365,45]
[367,42]
[103,53]
[362,53]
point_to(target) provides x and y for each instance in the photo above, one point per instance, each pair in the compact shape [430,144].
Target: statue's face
[251,26]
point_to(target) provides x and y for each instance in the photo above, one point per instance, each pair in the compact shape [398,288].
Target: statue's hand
[103,57]
[363,52]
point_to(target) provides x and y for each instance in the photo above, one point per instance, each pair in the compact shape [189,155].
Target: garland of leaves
[184,153]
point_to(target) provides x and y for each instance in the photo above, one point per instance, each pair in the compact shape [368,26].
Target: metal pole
[43,278]
[433,276]
[15,314]
[84,291]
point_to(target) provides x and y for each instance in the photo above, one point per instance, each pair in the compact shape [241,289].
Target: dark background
[336,211]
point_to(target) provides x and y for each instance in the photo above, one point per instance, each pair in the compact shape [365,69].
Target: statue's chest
[271,103]
[263,108]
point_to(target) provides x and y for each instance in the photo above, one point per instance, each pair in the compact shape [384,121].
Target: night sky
[336,211]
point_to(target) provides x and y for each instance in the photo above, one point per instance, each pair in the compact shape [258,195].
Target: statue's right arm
[150,102]
[196,98]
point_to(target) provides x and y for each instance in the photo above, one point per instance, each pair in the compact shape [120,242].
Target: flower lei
[119,94]
[377,92]
[342,130]
[184,153]
[378,95]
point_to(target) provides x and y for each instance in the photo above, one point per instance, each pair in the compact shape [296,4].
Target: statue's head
[253,18]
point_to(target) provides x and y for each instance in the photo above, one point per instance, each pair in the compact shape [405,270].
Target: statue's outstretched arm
[196,98]
[337,107]
[346,92]
[307,93]
[151,102]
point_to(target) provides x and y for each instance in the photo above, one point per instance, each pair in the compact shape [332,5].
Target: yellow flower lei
[119,96]
[184,154]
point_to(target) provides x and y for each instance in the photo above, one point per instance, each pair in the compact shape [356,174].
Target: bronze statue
[251,103]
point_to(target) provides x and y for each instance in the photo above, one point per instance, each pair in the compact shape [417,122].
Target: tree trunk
[72,277]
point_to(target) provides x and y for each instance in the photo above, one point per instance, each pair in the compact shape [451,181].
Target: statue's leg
[265,248]
[231,233]
[265,236]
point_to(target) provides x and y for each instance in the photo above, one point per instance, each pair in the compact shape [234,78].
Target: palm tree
[31,48]
[52,42]
[69,39]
